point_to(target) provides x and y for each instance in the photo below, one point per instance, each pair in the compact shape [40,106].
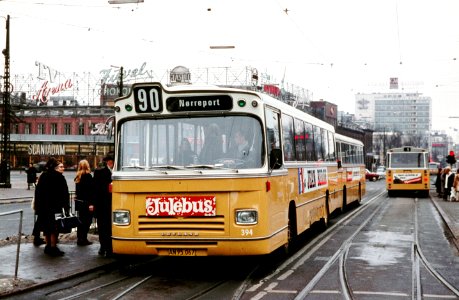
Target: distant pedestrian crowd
[52,201]
[447,184]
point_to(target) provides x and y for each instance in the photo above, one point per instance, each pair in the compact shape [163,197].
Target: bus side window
[288,136]
[273,139]
[308,138]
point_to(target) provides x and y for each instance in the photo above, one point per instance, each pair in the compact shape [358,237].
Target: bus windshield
[212,142]
[408,160]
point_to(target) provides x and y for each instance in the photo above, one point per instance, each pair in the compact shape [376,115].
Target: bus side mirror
[275,159]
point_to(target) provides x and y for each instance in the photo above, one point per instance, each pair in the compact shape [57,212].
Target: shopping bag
[65,224]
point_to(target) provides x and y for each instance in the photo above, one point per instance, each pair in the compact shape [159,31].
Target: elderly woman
[51,197]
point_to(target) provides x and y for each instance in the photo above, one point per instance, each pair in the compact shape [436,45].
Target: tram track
[419,257]
[157,278]
[422,285]
[340,256]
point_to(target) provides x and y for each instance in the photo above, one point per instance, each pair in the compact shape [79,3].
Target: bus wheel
[390,194]
[291,230]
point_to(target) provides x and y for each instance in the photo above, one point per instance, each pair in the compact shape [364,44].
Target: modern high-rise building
[397,118]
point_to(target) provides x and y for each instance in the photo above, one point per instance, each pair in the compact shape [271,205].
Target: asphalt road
[9,225]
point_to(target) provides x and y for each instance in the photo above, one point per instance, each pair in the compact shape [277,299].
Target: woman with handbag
[51,198]
[84,190]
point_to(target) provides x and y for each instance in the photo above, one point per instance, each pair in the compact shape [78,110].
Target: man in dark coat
[103,205]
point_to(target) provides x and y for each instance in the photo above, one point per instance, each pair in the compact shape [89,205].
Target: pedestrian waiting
[103,205]
[31,176]
[84,191]
[51,198]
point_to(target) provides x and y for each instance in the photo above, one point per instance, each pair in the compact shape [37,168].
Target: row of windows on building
[399,114]
[41,129]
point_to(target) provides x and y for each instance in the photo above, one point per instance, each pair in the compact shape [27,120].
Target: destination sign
[199,103]
[147,99]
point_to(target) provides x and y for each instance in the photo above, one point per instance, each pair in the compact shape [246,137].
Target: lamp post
[6,118]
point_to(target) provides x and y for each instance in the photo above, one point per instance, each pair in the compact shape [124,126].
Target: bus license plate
[181,252]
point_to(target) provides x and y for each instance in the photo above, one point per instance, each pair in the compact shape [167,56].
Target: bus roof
[266,99]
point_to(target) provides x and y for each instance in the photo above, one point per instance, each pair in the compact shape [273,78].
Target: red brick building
[69,133]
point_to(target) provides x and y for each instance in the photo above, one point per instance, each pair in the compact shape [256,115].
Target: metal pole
[121,82]
[6,120]
[20,211]
[19,246]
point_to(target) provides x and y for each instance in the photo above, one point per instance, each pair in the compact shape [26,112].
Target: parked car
[371,175]
[381,171]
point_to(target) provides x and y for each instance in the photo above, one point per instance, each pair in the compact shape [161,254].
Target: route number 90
[147,99]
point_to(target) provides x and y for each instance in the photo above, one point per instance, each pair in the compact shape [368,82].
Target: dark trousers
[104,227]
[85,217]
[36,229]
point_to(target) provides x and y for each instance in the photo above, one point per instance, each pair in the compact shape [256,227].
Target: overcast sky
[333,48]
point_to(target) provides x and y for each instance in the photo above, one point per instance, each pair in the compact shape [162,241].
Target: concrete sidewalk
[37,269]
[449,212]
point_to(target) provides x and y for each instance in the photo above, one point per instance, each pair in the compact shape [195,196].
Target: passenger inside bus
[241,147]
[185,155]
[213,145]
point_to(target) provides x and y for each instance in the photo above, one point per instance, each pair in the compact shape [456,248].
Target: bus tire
[390,194]
[292,234]
[359,200]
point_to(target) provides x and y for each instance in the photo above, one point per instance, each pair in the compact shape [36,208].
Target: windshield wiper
[212,167]
[133,167]
[167,167]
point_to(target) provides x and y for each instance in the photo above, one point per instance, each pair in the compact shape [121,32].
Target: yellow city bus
[408,170]
[219,171]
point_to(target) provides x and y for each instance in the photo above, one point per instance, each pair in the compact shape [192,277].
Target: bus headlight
[246,217]
[121,217]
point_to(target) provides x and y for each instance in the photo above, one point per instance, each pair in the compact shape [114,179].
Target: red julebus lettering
[181,206]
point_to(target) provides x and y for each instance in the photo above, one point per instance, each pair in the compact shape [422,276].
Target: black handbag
[65,224]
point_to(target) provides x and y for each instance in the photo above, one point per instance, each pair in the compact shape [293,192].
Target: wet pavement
[36,268]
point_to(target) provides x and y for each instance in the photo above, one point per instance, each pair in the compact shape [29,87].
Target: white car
[381,171]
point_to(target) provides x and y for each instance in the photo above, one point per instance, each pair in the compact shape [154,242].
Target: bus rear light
[110,188]
[121,217]
[268,186]
[246,217]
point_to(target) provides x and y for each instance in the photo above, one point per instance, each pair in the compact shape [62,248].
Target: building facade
[69,133]
[398,118]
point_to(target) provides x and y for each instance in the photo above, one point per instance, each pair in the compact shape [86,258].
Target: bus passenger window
[288,142]
[308,138]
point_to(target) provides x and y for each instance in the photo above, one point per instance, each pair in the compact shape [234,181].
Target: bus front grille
[187,224]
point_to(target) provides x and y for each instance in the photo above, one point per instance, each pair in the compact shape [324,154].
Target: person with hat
[103,205]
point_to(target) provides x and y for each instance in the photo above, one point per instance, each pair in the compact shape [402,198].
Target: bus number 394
[246,232]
